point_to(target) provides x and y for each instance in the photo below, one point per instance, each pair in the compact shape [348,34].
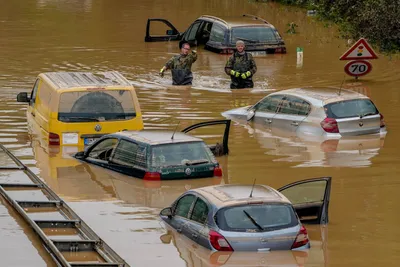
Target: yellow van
[76,108]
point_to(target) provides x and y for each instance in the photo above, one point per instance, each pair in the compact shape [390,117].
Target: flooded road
[85,35]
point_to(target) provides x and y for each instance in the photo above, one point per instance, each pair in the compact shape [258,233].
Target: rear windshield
[102,105]
[181,154]
[254,217]
[350,108]
[255,34]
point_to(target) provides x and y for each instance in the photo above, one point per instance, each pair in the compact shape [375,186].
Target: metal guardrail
[81,246]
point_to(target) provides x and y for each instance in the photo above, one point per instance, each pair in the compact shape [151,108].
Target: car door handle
[179,230]
[195,236]
[294,123]
[268,121]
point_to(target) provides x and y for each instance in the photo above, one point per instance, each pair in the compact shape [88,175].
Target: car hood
[237,112]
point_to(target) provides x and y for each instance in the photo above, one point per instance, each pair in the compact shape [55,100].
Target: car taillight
[54,139]
[278,50]
[301,238]
[217,171]
[219,242]
[382,121]
[152,176]
[330,125]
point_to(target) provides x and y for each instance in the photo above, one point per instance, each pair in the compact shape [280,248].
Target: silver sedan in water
[309,112]
[250,217]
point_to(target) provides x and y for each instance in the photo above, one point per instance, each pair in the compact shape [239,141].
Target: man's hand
[161,73]
[235,73]
[246,74]
[194,51]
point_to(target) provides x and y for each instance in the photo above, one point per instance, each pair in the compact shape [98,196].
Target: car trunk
[359,126]
[187,172]
[354,117]
[282,239]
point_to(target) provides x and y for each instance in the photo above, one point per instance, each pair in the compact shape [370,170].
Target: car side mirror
[80,155]
[23,97]
[250,114]
[166,212]
[170,32]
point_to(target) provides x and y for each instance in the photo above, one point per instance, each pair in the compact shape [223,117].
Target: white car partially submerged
[325,112]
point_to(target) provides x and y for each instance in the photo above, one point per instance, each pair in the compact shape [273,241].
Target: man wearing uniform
[241,67]
[181,66]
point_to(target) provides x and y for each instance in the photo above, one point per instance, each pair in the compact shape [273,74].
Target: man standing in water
[181,66]
[241,67]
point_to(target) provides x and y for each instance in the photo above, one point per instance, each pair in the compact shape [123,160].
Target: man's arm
[253,66]
[229,65]
[193,56]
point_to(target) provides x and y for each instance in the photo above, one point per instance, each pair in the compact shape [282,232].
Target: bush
[376,20]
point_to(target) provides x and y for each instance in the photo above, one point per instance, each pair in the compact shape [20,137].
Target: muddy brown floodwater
[85,35]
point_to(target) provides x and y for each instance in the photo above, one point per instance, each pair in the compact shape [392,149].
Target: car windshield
[254,34]
[88,106]
[350,108]
[265,217]
[193,153]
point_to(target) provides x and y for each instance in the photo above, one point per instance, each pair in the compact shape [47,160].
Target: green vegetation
[376,20]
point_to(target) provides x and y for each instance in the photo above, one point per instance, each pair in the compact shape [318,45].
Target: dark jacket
[242,64]
[181,68]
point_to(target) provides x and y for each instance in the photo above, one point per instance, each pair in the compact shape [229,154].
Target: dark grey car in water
[250,217]
[220,34]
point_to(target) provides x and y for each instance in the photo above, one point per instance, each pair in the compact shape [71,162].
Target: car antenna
[252,188]
[340,89]
[172,137]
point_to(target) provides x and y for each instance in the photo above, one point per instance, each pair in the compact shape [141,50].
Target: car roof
[323,95]
[239,21]
[65,80]
[157,137]
[231,194]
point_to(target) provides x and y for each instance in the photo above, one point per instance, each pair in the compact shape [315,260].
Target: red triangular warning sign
[360,50]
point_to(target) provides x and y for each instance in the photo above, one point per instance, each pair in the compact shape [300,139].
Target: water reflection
[316,152]
[195,255]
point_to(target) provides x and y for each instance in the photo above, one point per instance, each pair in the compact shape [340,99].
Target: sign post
[360,51]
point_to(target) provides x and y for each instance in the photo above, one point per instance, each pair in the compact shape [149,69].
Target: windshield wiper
[197,162]
[247,40]
[253,221]
[367,114]
[79,119]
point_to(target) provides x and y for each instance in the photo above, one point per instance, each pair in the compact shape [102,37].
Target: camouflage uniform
[242,64]
[181,66]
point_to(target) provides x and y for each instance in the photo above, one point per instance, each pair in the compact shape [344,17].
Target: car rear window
[254,34]
[350,108]
[104,105]
[181,153]
[268,216]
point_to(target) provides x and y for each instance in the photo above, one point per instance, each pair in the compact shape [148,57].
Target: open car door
[172,33]
[218,149]
[310,198]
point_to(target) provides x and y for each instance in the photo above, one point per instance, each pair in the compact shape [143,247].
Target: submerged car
[157,154]
[329,113]
[250,217]
[220,34]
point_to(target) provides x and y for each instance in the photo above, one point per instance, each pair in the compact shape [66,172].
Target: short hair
[238,42]
[184,43]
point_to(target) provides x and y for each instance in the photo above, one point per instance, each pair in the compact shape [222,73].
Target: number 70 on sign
[358,68]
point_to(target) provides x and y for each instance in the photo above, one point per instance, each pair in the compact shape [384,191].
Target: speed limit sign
[358,68]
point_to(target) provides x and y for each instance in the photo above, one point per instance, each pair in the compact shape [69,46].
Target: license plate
[258,53]
[89,141]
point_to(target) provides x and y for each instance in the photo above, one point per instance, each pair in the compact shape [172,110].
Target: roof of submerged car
[155,137]
[228,195]
[323,95]
[64,80]
[238,21]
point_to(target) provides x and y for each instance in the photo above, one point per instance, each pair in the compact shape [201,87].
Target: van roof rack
[256,18]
